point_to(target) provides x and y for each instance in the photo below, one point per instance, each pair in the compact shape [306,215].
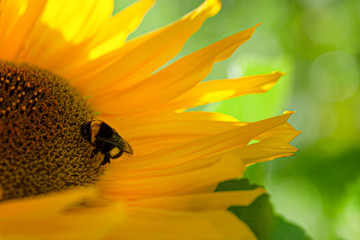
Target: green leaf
[260,216]
[235,184]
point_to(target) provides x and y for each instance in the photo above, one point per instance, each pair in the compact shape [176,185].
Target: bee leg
[105,161]
[94,152]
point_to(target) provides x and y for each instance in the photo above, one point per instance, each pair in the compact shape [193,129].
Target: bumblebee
[105,140]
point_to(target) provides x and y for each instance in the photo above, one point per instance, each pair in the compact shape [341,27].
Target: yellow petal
[154,133]
[177,127]
[11,12]
[48,49]
[126,21]
[58,39]
[271,146]
[105,40]
[186,73]
[42,206]
[121,124]
[215,144]
[21,18]
[142,56]
[202,173]
[85,223]
[76,20]
[284,133]
[184,168]
[149,224]
[202,202]
[155,139]
[218,90]
[197,176]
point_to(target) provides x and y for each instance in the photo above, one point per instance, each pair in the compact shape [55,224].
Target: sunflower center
[41,149]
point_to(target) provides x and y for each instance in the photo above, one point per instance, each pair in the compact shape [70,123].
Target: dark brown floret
[41,149]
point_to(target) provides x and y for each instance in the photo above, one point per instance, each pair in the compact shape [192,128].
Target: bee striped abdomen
[115,152]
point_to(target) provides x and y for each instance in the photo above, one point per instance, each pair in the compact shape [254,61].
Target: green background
[316,43]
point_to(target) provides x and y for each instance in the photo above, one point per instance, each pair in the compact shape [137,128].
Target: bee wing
[118,142]
[127,148]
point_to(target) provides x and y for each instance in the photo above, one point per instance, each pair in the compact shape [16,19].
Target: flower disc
[41,149]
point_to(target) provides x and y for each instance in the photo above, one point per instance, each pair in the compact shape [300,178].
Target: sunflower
[66,64]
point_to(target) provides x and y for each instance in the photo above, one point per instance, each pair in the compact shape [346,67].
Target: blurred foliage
[259,215]
[316,43]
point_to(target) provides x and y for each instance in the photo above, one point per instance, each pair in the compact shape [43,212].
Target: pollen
[41,149]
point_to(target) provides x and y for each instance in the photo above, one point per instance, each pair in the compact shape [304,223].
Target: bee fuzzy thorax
[95,128]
